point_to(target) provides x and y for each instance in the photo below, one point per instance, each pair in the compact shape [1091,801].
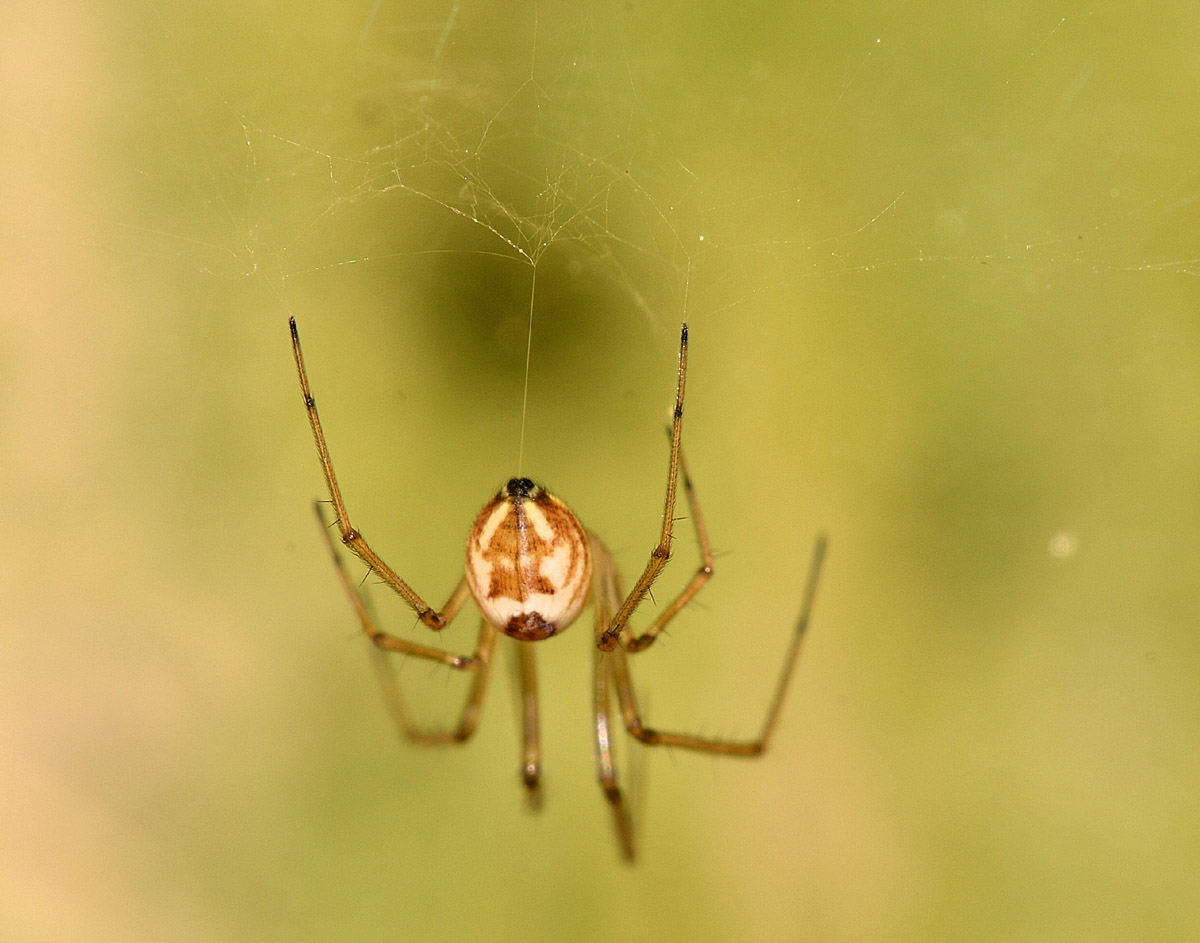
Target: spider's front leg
[617,630]
[434,619]
[702,575]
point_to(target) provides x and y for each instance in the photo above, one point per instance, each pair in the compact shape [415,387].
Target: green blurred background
[941,267]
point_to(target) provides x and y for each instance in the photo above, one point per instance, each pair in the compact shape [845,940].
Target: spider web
[940,264]
[475,153]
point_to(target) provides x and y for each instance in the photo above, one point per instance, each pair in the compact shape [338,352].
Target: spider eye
[519,488]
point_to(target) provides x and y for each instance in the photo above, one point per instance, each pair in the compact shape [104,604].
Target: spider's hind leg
[607,596]
[633,718]
[606,767]
[387,647]
[468,720]
[531,749]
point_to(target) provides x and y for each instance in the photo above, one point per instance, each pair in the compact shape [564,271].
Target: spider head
[529,564]
[520,488]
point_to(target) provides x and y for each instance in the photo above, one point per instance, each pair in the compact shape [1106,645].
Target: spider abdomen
[529,567]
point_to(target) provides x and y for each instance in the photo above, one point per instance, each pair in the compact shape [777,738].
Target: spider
[530,569]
